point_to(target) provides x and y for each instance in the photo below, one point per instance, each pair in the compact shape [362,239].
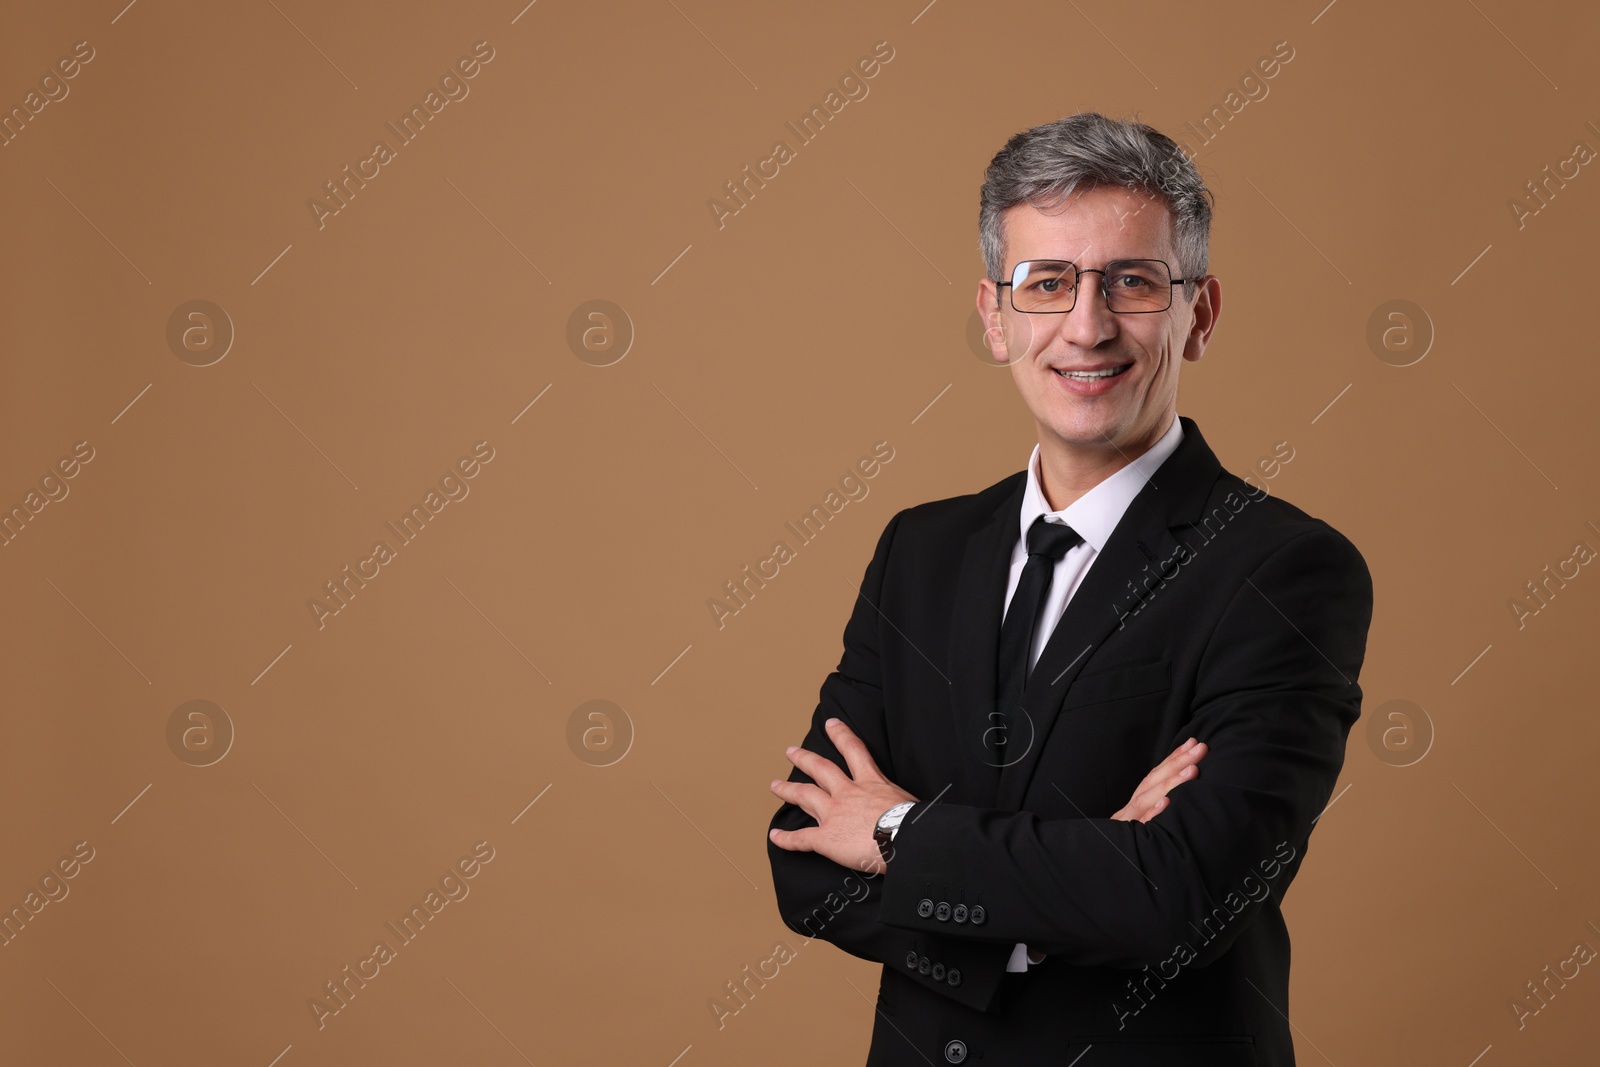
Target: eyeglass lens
[1047,285]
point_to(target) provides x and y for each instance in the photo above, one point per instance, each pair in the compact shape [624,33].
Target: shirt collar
[1096,513]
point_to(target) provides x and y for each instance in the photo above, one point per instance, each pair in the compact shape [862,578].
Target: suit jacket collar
[1174,496]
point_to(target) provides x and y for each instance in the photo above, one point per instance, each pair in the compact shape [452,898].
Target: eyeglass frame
[1077,279]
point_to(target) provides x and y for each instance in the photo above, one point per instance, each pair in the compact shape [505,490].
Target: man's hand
[846,807]
[1150,798]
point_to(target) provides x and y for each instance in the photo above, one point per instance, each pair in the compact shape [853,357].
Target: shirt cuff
[1019,958]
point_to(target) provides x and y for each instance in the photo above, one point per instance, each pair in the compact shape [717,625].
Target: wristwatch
[889,825]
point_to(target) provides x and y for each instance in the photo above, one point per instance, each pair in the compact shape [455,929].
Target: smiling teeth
[1091,375]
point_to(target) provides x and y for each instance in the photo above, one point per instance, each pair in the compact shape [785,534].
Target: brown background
[370,354]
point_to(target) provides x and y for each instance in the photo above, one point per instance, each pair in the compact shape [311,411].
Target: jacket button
[942,912]
[924,907]
[911,960]
[953,976]
[955,1051]
[924,965]
[938,972]
[977,915]
[959,913]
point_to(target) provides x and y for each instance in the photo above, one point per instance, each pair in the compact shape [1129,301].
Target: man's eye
[1050,285]
[1131,281]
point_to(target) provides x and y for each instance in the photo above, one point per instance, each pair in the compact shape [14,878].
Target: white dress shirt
[1093,515]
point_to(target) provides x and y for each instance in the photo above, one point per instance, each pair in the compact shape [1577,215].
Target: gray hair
[1043,166]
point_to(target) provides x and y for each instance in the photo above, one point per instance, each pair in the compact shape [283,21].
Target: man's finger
[808,798]
[1175,777]
[854,750]
[1191,751]
[822,770]
[1178,754]
[793,840]
[1167,773]
[1157,786]
[1150,796]
[1155,809]
[1142,808]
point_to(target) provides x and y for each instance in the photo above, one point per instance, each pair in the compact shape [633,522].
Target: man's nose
[1090,321]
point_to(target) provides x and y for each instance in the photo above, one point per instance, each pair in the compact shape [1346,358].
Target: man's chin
[1089,434]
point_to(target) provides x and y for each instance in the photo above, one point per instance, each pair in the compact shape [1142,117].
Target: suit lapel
[1112,588]
[975,635]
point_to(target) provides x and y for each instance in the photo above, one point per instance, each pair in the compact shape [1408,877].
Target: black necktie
[1047,543]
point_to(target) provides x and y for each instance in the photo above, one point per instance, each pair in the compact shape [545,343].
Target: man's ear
[989,313]
[1207,308]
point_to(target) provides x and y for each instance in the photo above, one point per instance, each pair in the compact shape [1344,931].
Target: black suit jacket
[1215,610]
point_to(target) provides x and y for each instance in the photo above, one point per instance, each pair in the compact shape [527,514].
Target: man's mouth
[1093,375]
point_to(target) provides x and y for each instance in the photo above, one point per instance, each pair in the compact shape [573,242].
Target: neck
[1067,470]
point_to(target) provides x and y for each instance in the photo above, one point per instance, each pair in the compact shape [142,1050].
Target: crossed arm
[847,806]
[1273,704]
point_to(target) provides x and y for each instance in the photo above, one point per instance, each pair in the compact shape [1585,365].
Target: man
[1019,659]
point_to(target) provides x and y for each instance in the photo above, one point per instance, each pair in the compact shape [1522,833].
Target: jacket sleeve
[820,898]
[1275,698]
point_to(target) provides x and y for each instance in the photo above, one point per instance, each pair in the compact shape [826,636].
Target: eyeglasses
[1130,286]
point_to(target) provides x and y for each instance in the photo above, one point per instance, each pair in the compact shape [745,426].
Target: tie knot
[1051,539]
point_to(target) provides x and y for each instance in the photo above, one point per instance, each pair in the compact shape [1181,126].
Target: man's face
[1127,413]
